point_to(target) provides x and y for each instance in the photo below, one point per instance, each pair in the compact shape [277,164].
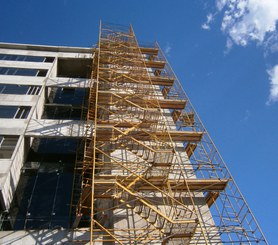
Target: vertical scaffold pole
[94,140]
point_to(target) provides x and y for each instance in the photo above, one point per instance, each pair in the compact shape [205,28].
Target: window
[19,112]
[43,195]
[66,103]
[62,112]
[19,89]
[22,112]
[75,68]
[27,58]
[22,72]
[34,90]
[72,96]
[7,146]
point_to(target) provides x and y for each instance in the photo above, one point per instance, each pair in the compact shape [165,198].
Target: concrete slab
[57,128]
[25,64]
[68,82]
[18,100]
[56,236]
[12,126]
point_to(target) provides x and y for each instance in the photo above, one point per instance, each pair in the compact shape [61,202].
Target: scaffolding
[149,172]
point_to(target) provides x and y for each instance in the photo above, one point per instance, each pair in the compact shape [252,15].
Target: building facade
[102,146]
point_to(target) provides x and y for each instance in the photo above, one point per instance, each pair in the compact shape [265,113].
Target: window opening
[74,67]
[7,146]
[7,111]
[41,73]
[49,59]
[14,57]
[22,112]
[19,112]
[43,195]
[34,90]
[73,96]
[19,89]
[22,72]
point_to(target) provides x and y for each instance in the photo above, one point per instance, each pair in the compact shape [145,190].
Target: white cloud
[229,45]
[271,44]
[273,77]
[220,4]
[167,49]
[209,18]
[246,115]
[206,25]
[248,20]
[245,21]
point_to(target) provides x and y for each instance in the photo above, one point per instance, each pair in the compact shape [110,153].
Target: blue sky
[224,52]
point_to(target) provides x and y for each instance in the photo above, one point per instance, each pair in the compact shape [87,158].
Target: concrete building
[102,146]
